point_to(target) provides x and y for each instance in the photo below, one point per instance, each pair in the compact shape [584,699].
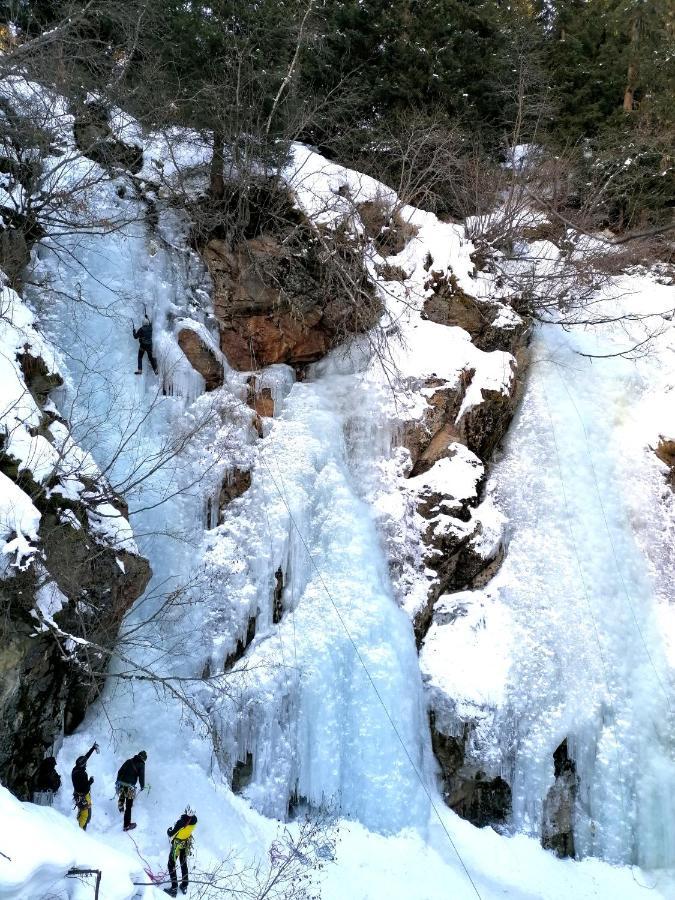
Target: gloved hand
[96,747]
[168,831]
[91,780]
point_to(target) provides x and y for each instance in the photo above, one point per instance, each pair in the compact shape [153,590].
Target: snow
[25,875]
[467,653]
[19,521]
[456,476]
[111,528]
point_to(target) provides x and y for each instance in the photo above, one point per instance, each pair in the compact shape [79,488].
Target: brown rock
[238,481]
[428,440]
[279,301]
[260,399]
[252,342]
[483,426]
[201,357]
[666,453]
[450,305]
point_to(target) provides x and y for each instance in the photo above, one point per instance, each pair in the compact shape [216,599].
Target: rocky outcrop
[69,566]
[202,357]
[557,830]
[666,453]
[279,296]
[450,448]
[272,306]
[260,399]
[53,660]
[466,789]
[491,324]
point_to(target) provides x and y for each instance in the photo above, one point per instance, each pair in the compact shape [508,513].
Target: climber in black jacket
[130,772]
[181,847]
[144,337]
[82,787]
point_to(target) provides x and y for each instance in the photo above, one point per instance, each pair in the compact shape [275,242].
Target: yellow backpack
[184,833]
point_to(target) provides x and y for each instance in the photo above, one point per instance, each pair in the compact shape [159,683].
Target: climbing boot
[138,372]
[130,826]
[183,888]
[172,891]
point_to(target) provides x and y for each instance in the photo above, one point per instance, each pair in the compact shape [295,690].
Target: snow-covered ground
[330,699]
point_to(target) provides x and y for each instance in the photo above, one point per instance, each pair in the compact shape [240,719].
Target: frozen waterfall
[329,702]
[590,662]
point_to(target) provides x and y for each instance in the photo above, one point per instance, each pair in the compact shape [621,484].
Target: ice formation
[328,696]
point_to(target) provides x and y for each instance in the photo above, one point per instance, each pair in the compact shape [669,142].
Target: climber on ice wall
[181,847]
[82,787]
[131,772]
[144,337]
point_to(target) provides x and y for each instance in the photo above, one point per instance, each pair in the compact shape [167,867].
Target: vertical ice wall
[328,701]
[589,662]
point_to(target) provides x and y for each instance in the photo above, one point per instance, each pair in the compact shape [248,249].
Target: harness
[124,790]
[82,801]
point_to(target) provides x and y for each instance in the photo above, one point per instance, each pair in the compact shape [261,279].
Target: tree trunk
[632,74]
[217,177]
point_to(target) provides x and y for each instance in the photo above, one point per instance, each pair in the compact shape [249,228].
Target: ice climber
[82,787]
[181,847]
[47,782]
[131,771]
[144,337]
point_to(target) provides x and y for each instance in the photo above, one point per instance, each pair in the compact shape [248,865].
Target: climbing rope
[155,877]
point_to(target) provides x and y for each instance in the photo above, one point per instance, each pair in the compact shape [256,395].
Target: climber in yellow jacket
[181,847]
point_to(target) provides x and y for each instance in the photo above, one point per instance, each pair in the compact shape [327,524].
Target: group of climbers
[130,775]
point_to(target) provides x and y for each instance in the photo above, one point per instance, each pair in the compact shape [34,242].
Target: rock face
[201,357]
[454,537]
[666,453]
[467,790]
[278,296]
[557,830]
[46,680]
[69,569]
[488,322]
[450,448]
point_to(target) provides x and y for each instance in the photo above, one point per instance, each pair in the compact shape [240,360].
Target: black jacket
[47,778]
[144,334]
[131,771]
[181,823]
[81,781]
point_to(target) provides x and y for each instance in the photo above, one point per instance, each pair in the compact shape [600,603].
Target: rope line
[370,679]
